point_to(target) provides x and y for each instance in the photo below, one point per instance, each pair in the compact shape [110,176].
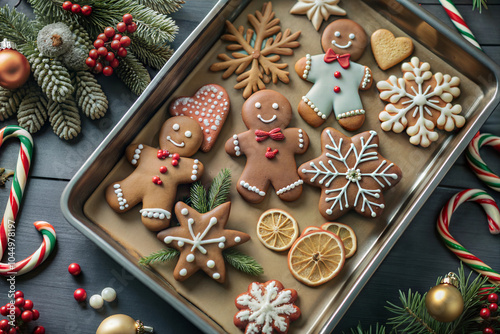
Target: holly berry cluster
[487,313]
[23,312]
[76,8]
[163,154]
[109,45]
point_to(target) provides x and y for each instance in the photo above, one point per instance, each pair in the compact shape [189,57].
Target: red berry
[109,32]
[18,294]
[90,62]
[75,9]
[17,312]
[493,307]
[110,56]
[39,330]
[117,37]
[86,10]
[159,155]
[488,330]
[160,182]
[27,316]
[36,314]
[93,54]
[4,324]
[156,179]
[493,298]
[103,37]
[484,313]
[122,52]
[67,5]
[132,27]
[74,269]
[337,74]
[80,295]
[102,51]
[336,89]
[175,162]
[4,310]
[107,71]
[176,156]
[127,19]
[125,41]
[114,63]
[28,304]
[115,44]
[98,43]
[121,27]
[12,331]
[163,169]
[98,68]
[19,301]
[166,153]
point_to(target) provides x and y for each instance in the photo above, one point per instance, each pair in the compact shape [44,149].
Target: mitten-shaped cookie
[336,77]
[270,148]
[158,173]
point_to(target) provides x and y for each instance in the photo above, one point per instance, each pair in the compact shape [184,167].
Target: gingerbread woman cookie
[336,77]
[159,172]
[270,148]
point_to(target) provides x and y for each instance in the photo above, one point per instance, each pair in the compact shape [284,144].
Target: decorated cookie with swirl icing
[158,173]
[269,147]
[336,77]
[200,239]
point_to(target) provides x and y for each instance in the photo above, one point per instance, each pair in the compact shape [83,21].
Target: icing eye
[188,134]
[258,105]
[176,127]
[352,36]
[337,34]
[275,106]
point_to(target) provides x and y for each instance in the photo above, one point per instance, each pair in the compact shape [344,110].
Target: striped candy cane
[16,195]
[459,22]
[477,164]
[493,214]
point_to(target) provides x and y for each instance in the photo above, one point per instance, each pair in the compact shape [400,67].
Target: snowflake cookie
[266,308]
[419,101]
[351,174]
[201,238]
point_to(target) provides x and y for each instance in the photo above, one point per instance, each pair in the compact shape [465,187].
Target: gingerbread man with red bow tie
[270,148]
[336,77]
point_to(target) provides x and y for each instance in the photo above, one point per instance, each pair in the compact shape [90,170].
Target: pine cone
[64,118]
[32,112]
[89,95]
[10,101]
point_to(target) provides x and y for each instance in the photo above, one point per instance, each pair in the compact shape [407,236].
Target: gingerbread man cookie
[336,77]
[159,172]
[270,148]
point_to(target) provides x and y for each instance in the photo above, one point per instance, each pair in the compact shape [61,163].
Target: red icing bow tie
[331,56]
[274,134]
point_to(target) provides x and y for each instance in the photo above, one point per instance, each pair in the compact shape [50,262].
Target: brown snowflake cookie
[201,238]
[266,308]
[420,101]
[389,50]
[158,173]
[262,54]
[209,106]
[336,77]
[270,148]
[351,174]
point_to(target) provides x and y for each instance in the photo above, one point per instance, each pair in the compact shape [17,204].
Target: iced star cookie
[336,77]
[351,174]
[201,238]
[266,308]
[317,11]
[158,173]
[269,147]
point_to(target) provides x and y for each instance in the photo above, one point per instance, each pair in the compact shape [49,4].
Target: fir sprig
[198,197]
[479,4]
[162,6]
[16,26]
[219,189]
[378,329]
[163,255]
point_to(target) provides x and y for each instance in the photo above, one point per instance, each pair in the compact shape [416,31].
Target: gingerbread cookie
[419,101]
[317,11]
[209,106]
[201,238]
[336,77]
[158,173]
[351,174]
[266,308]
[270,148]
[388,50]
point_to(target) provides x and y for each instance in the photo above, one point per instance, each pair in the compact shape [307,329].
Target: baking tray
[125,239]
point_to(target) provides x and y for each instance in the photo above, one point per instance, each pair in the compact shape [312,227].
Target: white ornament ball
[96,302]
[108,294]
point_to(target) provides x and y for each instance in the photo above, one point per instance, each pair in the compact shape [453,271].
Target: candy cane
[459,22]
[7,233]
[477,164]
[493,214]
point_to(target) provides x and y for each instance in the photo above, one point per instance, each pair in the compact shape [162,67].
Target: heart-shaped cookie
[388,50]
[209,106]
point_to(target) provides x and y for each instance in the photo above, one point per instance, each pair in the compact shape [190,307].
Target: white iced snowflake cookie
[317,11]
[420,101]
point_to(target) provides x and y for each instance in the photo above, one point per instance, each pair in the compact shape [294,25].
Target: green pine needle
[242,262]
[379,329]
[198,197]
[162,6]
[479,4]
[219,190]
[163,255]
[16,26]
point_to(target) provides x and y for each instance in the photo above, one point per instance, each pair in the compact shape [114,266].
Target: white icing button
[191,221]
[183,272]
[235,137]
[190,258]
[213,221]
[116,186]
[210,263]
[216,275]
[195,167]
[140,146]
[184,212]
[275,106]
[337,34]
[193,177]
[180,243]
[237,239]
[96,302]
[221,245]
[188,134]
[176,127]
[108,294]
[258,105]
[195,172]
[196,161]
[352,36]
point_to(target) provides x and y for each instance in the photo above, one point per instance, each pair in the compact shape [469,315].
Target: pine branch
[15,26]
[50,11]
[242,262]
[151,55]
[163,6]
[32,113]
[379,329]
[133,74]
[219,189]
[479,4]
[198,197]
[10,101]
[64,118]
[163,255]
[89,95]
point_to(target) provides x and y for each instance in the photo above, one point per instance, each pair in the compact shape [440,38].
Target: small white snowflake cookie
[266,308]
[317,11]
[419,102]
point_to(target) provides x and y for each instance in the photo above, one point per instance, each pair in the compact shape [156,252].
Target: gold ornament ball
[444,302]
[14,69]
[122,324]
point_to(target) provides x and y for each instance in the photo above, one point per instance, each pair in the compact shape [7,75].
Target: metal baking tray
[480,77]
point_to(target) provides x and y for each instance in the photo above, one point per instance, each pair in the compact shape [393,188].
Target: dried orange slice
[346,234]
[316,257]
[277,229]
[309,229]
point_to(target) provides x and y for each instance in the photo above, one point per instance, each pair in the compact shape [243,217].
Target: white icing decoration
[183,272]
[236,145]
[155,213]
[137,154]
[237,239]
[184,212]
[210,264]
[190,258]
[345,46]
[258,105]
[119,194]
[181,144]
[176,126]
[216,276]
[256,190]
[194,171]
[337,34]
[352,36]
[289,187]
[328,173]
[267,121]
[188,134]
[275,106]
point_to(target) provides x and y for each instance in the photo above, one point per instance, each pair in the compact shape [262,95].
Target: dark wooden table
[415,262]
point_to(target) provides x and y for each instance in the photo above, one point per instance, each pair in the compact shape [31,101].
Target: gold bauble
[122,324]
[14,69]
[444,302]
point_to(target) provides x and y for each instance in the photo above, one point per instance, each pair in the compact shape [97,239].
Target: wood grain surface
[415,262]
